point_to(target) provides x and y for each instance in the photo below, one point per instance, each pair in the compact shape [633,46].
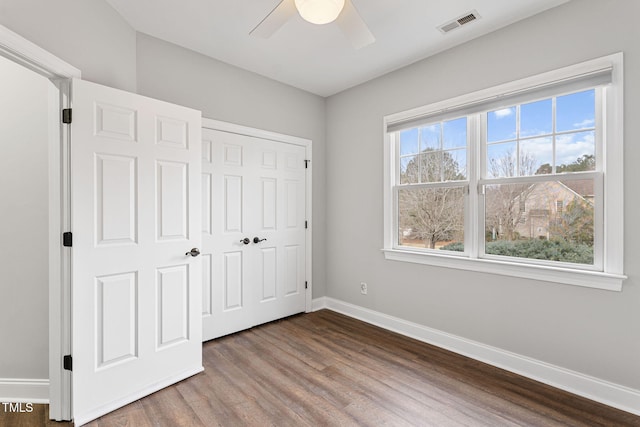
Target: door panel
[269,203]
[172,200]
[268,283]
[116,209]
[232,203]
[117,314]
[257,190]
[173,305]
[233,281]
[135,208]
[291,269]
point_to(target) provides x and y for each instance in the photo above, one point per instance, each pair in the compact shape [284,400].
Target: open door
[135,215]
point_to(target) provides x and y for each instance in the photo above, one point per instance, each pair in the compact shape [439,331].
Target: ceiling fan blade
[353,27]
[274,20]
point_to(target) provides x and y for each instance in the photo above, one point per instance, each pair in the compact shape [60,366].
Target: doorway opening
[34,191]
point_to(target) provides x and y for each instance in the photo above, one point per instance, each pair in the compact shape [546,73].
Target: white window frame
[610,274]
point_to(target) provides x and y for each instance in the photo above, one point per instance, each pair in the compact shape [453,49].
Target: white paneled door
[135,208]
[253,211]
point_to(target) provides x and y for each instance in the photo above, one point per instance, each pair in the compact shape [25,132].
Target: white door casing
[135,213]
[253,187]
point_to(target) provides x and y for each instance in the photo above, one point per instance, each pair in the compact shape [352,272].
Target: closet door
[254,238]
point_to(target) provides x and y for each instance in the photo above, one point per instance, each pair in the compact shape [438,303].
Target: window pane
[409,142]
[536,118]
[501,160]
[501,124]
[575,152]
[536,156]
[408,170]
[576,111]
[455,133]
[551,221]
[454,166]
[431,218]
[431,166]
[430,137]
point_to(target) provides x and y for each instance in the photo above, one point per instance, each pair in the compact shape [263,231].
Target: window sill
[589,279]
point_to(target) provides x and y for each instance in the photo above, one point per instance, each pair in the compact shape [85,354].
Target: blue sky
[575,114]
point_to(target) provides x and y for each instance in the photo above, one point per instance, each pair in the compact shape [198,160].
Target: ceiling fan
[343,12]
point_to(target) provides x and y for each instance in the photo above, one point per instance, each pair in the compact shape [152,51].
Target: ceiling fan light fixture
[319,11]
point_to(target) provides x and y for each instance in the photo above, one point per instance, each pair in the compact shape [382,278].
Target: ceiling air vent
[459,21]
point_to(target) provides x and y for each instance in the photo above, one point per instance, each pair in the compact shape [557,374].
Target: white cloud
[572,146]
[505,112]
[569,147]
[587,123]
[540,148]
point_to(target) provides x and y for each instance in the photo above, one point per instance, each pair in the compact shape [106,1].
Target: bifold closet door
[253,231]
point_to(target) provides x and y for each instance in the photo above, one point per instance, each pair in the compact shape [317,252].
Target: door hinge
[67,239]
[306,224]
[306,164]
[66,115]
[306,285]
[67,362]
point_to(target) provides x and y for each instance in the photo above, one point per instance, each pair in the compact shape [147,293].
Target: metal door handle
[246,241]
[258,240]
[193,252]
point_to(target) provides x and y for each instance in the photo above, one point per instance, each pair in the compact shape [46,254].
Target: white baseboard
[615,395]
[20,390]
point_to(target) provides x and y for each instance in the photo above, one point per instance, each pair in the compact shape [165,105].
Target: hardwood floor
[326,369]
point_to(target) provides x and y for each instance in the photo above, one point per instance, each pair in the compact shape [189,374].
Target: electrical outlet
[363,288]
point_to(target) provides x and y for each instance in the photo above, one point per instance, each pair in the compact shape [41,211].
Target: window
[512,179]
[433,180]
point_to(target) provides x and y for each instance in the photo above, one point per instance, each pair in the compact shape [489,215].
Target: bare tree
[435,214]
[505,202]
[432,214]
[506,166]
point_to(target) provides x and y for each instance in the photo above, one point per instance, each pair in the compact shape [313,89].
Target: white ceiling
[316,58]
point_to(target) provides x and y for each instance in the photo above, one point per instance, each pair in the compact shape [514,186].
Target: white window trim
[612,276]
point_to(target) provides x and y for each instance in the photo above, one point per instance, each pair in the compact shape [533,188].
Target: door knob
[246,241]
[193,252]
[258,240]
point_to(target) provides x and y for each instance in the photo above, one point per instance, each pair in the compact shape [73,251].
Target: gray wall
[91,36]
[24,228]
[88,34]
[587,330]
[227,93]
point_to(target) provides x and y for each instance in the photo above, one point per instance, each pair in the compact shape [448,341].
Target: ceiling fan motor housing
[319,11]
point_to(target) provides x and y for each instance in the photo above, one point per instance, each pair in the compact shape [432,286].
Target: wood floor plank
[349,355]
[132,415]
[326,369]
[285,385]
[253,402]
